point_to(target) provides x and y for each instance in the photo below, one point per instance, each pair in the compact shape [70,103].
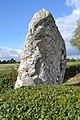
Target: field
[38,102]
[72,63]
[8,67]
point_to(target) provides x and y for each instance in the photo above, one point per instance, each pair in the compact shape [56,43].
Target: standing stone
[43,59]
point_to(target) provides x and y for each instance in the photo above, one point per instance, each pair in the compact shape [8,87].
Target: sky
[15,16]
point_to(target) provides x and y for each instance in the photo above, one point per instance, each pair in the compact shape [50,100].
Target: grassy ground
[4,67]
[73,63]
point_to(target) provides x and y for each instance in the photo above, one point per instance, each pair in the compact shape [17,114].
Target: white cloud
[75,3]
[67,25]
[8,53]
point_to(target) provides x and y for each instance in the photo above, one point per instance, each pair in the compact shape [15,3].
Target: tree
[0,61]
[8,61]
[75,41]
[11,61]
[4,62]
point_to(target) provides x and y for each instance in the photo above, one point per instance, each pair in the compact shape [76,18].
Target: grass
[8,67]
[72,63]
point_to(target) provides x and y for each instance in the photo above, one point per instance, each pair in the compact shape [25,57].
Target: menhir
[43,60]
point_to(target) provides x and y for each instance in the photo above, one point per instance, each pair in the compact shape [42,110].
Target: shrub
[72,69]
[41,102]
[7,79]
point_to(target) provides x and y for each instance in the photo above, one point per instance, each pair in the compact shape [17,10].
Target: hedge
[41,102]
[72,69]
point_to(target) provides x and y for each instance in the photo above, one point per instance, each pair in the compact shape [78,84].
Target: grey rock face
[43,59]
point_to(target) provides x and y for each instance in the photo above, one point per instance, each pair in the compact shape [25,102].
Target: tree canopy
[75,41]
[8,61]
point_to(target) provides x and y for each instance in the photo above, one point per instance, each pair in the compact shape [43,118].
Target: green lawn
[73,63]
[4,67]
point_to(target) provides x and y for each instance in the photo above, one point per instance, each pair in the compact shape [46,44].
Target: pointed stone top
[40,15]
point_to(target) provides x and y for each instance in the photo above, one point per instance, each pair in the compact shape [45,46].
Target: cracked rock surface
[43,59]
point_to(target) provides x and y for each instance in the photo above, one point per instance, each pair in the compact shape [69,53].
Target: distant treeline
[8,61]
[73,60]
[14,61]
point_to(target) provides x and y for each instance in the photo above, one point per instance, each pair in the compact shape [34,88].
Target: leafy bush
[72,69]
[41,102]
[8,76]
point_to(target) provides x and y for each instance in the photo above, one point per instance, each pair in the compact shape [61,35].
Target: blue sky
[15,16]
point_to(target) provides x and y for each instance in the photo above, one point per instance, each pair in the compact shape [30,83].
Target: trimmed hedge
[7,79]
[72,69]
[41,102]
